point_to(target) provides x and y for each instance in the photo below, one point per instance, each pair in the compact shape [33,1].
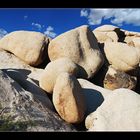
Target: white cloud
[118,16]
[84,13]
[37,25]
[25,17]
[2,33]
[50,32]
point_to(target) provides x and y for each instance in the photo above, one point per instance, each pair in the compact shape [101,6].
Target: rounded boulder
[29,46]
[53,69]
[68,98]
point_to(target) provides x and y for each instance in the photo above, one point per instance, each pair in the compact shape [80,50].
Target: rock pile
[64,93]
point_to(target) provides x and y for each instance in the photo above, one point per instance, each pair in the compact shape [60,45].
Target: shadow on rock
[21,77]
[45,57]
[98,78]
[93,98]
[121,35]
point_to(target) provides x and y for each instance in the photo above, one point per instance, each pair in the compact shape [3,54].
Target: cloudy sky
[53,22]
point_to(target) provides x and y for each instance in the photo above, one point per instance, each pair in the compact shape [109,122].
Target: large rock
[119,112]
[22,111]
[94,95]
[53,69]
[115,79]
[26,76]
[68,98]
[29,46]
[29,85]
[122,56]
[81,46]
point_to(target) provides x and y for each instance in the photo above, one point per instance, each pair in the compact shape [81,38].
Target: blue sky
[53,22]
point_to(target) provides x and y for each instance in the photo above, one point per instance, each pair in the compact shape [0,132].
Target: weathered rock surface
[29,85]
[122,56]
[29,46]
[115,79]
[9,61]
[68,98]
[20,110]
[53,69]
[119,112]
[94,95]
[81,46]
[108,56]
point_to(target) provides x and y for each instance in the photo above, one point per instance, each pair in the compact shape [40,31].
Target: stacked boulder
[108,110]
[72,62]
[122,54]
[24,106]
[73,54]
[80,45]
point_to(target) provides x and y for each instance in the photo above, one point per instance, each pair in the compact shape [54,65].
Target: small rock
[115,79]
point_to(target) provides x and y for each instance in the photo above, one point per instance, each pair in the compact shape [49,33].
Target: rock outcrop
[44,86]
[20,110]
